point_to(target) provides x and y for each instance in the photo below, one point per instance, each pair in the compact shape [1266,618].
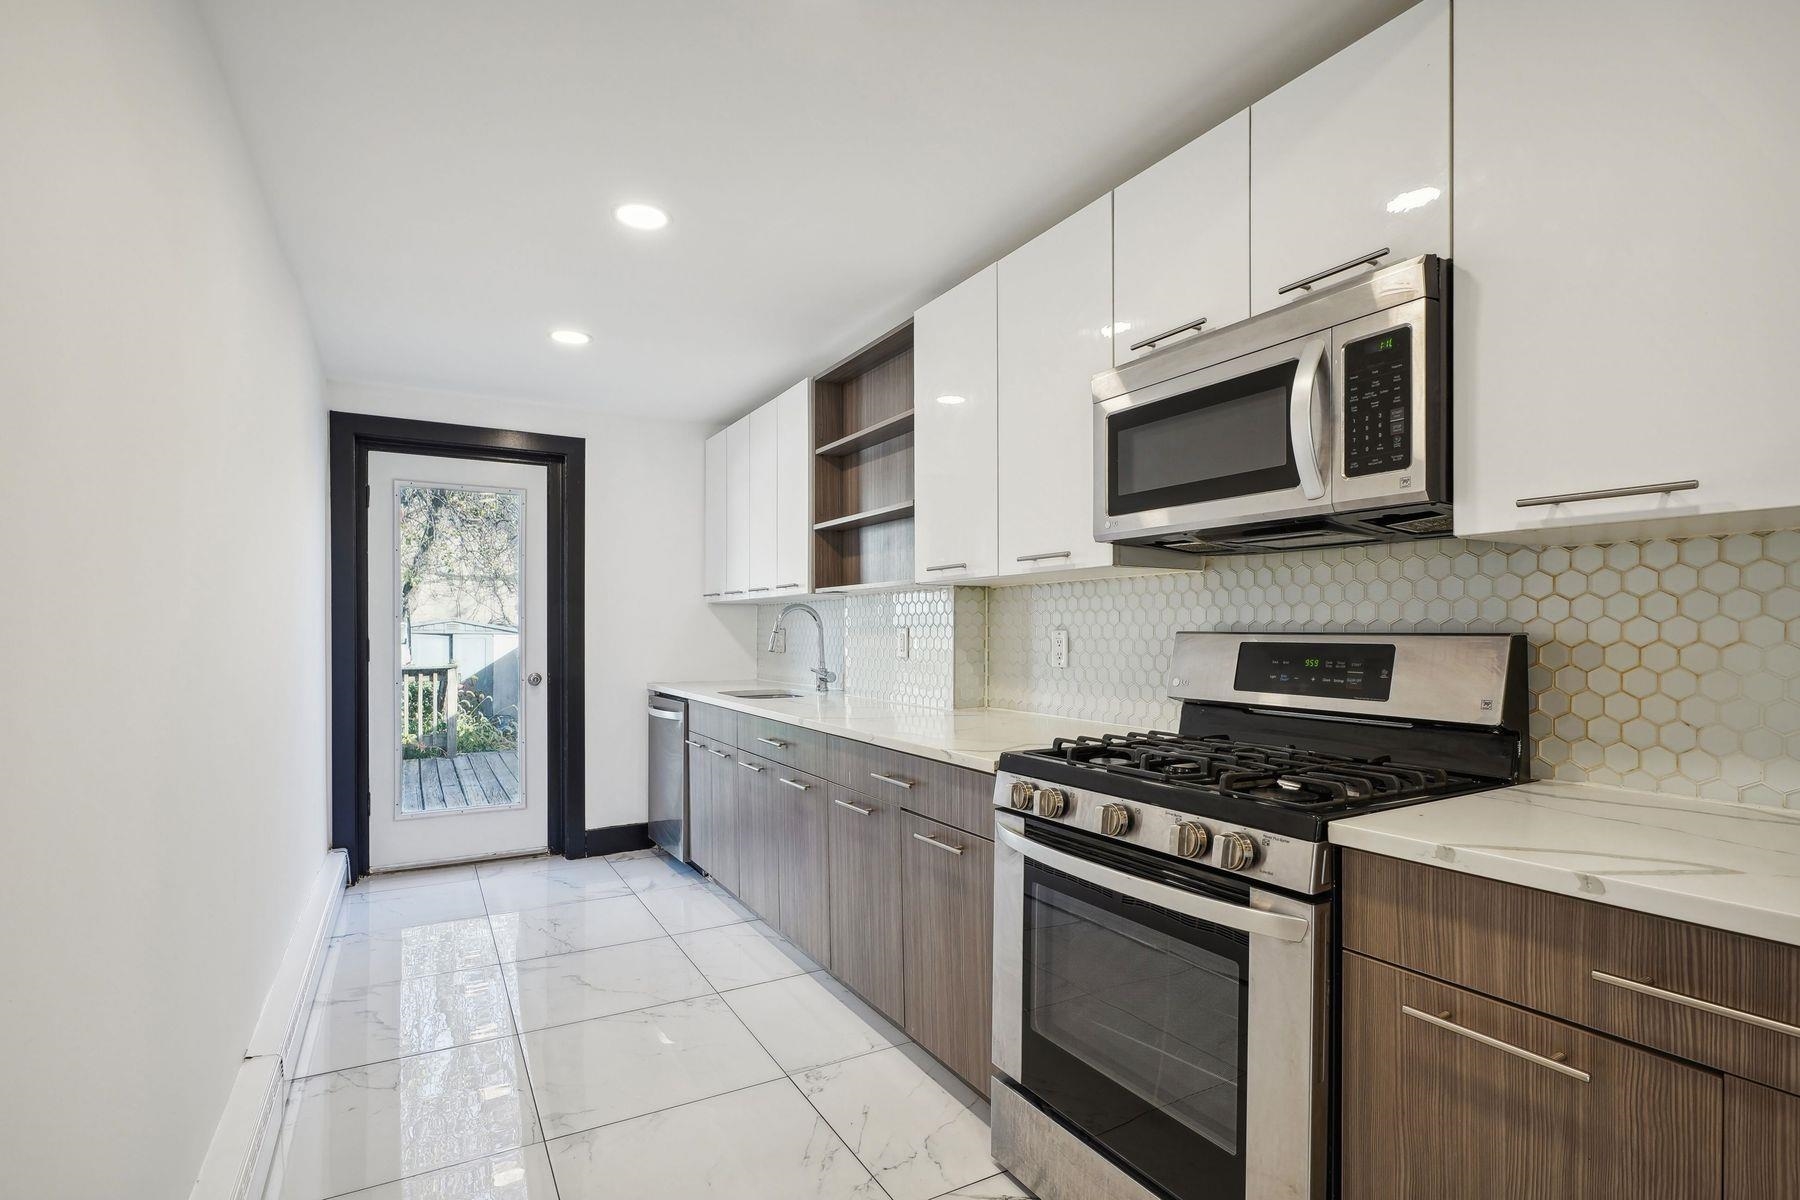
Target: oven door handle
[1302,408]
[1233,916]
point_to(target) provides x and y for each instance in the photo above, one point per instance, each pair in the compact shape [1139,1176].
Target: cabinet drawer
[953,795]
[1646,979]
[777,741]
[866,950]
[711,721]
[1762,1143]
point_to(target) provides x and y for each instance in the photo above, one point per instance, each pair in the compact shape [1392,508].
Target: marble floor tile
[749,952]
[995,1187]
[685,909]
[658,871]
[369,1125]
[393,881]
[568,928]
[540,883]
[361,959]
[380,912]
[918,1129]
[762,1143]
[515,1175]
[598,983]
[810,1020]
[411,1016]
[597,1072]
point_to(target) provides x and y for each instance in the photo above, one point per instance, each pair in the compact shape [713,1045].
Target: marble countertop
[966,737]
[1730,866]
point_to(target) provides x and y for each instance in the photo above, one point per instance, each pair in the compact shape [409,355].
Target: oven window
[1134,1031]
[1229,439]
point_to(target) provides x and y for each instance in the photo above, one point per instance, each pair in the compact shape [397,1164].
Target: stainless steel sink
[763,695]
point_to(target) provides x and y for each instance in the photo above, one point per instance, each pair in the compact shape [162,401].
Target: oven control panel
[1378,408]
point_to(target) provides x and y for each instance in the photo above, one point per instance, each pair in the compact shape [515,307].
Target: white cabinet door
[954,453]
[1626,251]
[793,490]
[715,517]
[765,471]
[1053,310]
[1181,242]
[1354,157]
[737,510]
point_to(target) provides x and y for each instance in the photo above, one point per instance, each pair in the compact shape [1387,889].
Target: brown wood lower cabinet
[700,813]
[1762,1143]
[1449,1095]
[722,802]
[866,903]
[949,934]
[758,837]
[804,864]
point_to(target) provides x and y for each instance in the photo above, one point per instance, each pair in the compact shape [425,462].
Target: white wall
[645,619]
[162,478]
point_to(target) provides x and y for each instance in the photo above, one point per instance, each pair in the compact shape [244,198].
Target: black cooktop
[1286,789]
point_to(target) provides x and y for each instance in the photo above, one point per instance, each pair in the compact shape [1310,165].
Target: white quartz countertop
[966,737]
[1730,866]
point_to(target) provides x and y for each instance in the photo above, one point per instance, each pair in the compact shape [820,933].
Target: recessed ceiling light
[569,337]
[641,216]
[950,399]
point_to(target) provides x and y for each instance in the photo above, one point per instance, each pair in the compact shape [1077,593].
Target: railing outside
[428,707]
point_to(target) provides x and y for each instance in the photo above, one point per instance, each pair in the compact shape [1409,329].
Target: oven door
[1168,1017]
[1241,442]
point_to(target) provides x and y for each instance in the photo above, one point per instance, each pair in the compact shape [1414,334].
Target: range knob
[1236,851]
[1023,793]
[1190,839]
[1115,820]
[1052,802]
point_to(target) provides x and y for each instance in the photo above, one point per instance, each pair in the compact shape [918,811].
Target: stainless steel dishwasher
[668,775]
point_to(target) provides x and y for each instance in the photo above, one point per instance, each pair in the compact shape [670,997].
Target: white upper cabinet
[954,433]
[1625,257]
[1053,311]
[1181,243]
[765,475]
[793,490]
[713,568]
[737,510]
[1353,157]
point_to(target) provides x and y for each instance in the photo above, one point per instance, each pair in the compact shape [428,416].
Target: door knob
[535,678]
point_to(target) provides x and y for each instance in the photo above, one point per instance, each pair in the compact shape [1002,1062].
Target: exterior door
[458,730]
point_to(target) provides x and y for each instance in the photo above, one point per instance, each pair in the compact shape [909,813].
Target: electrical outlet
[902,642]
[1059,649]
[778,641]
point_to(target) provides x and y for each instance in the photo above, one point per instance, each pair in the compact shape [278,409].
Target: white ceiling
[443,172]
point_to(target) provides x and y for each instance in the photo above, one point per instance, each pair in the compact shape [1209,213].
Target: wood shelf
[869,516]
[891,585]
[869,435]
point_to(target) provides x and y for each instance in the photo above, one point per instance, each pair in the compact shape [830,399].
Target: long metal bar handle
[797,785]
[715,753]
[1367,260]
[751,767]
[775,742]
[899,783]
[858,809]
[666,714]
[753,591]
[1220,912]
[931,840]
[1442,1022]
[1042,557]
[1707,1006]
[1166,334]
[1302,404]
[694,744]
[949,567]
[1642,489]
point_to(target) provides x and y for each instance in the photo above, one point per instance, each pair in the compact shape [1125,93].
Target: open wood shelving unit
[863,468]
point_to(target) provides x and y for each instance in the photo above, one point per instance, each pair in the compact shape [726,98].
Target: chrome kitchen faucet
[824,675]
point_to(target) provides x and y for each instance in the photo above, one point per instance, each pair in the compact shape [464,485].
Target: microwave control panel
[1378,409]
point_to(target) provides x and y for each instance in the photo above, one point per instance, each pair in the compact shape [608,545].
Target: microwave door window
[1225,440]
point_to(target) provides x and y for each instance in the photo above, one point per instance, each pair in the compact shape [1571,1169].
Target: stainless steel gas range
[1164,927]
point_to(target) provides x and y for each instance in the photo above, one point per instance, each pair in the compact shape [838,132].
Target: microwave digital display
[1378,403]
[1335,670]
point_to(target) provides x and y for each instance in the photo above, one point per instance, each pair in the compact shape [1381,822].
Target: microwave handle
[1302,406]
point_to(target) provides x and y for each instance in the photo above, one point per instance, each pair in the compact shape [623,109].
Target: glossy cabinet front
[955,444]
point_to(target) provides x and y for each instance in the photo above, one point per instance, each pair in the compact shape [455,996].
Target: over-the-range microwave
[1322,423]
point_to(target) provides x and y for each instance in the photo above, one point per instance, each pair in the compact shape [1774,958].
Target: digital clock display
[1343,671]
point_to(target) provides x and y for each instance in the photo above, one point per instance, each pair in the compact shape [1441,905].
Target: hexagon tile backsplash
[1664,665]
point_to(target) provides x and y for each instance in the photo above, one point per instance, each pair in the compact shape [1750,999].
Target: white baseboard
[243,1146]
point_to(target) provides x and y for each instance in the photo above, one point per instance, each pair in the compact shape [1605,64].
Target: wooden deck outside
[483,779]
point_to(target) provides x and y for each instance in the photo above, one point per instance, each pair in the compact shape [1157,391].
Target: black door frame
[353,436]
